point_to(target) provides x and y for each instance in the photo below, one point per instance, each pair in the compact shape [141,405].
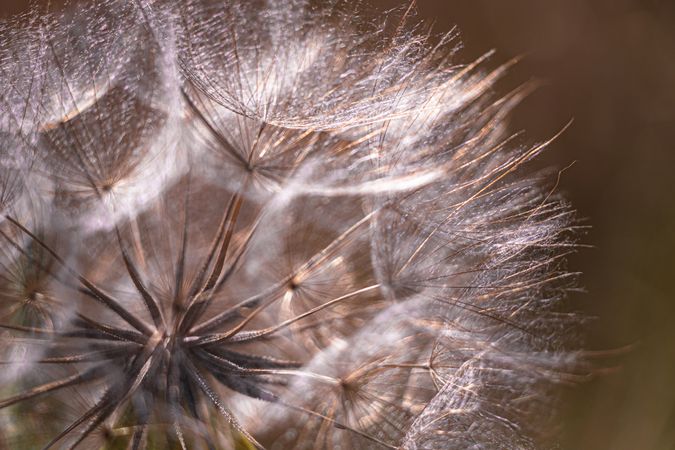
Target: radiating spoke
[236,336]
[150,302]
[193,372]
[90,288]
[201,298]
[310,264]
[83,377]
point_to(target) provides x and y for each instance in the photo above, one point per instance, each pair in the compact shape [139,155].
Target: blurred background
[610,66]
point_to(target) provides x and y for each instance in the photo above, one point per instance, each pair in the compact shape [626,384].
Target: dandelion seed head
[264,224]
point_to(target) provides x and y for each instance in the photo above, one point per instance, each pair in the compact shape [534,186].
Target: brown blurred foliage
[610,66]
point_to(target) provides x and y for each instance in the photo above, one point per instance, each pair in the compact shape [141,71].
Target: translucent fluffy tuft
[263,224]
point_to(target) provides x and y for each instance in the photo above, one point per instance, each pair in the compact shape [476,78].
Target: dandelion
[270,225]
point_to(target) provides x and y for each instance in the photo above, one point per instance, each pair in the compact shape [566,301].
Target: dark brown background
[609,65]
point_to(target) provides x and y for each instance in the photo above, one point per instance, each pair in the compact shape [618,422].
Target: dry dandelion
[233,224]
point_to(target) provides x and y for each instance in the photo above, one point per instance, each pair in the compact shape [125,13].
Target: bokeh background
[610,66]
